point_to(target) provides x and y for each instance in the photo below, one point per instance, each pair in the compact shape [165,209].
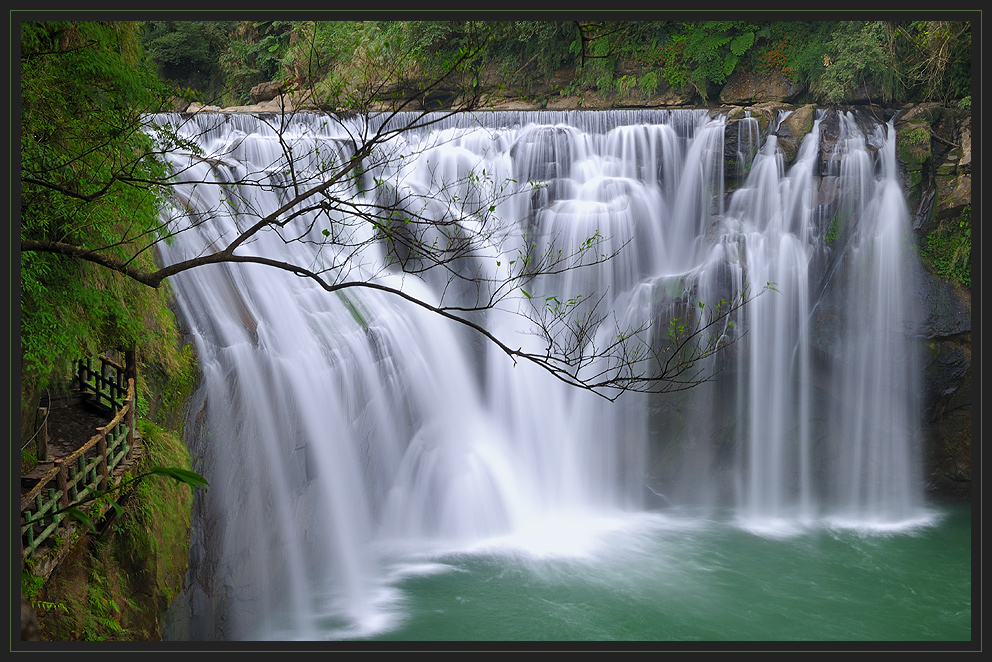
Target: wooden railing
[88,469]
[107,387]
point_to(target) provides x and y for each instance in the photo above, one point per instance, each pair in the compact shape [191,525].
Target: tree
[83,89]
[188,52]
[112,182]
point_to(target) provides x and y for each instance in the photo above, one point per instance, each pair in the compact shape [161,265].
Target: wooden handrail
[46,478]
[87,478]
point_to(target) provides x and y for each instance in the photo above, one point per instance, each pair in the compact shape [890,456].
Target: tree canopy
[899,60]
[83,181]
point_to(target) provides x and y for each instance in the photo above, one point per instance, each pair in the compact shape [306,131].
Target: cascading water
[342,431]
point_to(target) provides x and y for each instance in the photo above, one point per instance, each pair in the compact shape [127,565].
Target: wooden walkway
[71,423]
[91,441]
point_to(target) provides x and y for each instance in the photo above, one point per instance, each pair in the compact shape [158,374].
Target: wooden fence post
[131,417]
[102,385]
[101,449]
[131,367]
[62,483]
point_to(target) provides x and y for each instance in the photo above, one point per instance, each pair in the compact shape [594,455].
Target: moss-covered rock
[913,144]
[946,250]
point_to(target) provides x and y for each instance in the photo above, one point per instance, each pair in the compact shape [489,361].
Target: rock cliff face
[934,155]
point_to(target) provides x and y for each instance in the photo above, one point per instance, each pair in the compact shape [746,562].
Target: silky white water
[343,432]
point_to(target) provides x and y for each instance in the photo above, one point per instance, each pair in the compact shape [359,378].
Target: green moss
[31,584]
[29,458]
[913,144]
[161,519]
[832,234]
[947,249]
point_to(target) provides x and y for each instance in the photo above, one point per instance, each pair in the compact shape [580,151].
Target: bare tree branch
[342,195]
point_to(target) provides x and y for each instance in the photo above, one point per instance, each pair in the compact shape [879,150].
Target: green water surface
[671,578]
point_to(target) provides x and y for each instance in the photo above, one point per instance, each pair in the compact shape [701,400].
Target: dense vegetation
[117,586]
[84,169]
[896,60]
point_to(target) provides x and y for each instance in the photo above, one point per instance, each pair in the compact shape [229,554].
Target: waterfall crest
[337,428]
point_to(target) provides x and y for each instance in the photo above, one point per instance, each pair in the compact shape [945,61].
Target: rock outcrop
[748,87]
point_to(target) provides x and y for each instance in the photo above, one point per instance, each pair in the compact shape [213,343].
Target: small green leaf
[525,293]
[80,516]
[181,475]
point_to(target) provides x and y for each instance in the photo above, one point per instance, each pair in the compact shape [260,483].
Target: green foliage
[791,48]
[188,52]
[706,52]
[315,48]
[254,54]
[648,82]
[165,505]
[31,585]
[624,85]
[947,249]
[97,608]
[913,145]
[933,59]
[344,60]
[833,231]
[136,568]
[167,376]
[543,44]
[919,135]
[86,165]
[856,56]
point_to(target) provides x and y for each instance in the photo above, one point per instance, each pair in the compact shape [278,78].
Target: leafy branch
[74,509]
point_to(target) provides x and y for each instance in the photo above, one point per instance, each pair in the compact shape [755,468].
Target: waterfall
[338,430]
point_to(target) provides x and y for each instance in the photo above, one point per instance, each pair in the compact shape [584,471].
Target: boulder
[865,93]
[741,141]
[563,103]
[266,91]
[665,95]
